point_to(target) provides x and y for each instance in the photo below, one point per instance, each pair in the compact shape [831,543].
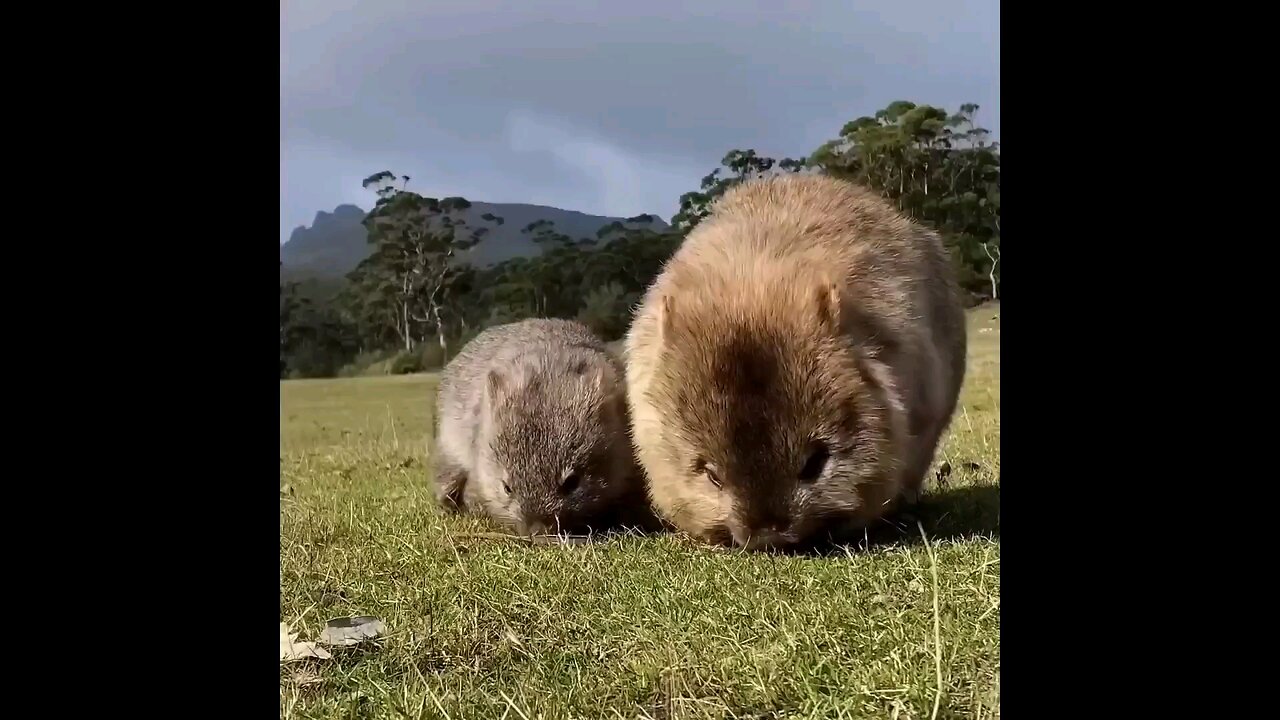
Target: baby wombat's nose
[535,526]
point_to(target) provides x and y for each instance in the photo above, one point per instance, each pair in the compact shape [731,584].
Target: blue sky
[608,107]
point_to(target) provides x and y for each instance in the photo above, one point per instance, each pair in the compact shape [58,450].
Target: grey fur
[526,405]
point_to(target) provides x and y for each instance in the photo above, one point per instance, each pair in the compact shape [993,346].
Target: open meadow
[480,626]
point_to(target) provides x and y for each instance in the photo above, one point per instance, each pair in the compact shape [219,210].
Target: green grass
[634,627]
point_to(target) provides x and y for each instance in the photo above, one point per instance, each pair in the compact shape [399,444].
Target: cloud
[621,182]
[599,106]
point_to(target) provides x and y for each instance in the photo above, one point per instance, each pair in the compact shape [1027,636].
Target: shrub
[404,363]
[364,363]
[431,357]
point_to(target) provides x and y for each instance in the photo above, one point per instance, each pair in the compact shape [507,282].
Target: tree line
[415,299]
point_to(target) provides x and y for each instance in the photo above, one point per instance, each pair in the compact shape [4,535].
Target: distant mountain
[336,242]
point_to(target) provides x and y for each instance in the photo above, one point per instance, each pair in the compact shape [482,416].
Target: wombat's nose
[771,533]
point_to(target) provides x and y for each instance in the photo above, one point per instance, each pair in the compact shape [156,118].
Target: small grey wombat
[532,431]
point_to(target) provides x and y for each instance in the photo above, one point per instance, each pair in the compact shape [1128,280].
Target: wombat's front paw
[451,480]
[450,503]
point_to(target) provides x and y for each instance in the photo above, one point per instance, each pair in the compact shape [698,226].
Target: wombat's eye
[814,465]
[707,469]
[570,483]
[506,488]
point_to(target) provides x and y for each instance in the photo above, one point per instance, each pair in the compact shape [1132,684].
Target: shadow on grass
[636,520]
[947,515]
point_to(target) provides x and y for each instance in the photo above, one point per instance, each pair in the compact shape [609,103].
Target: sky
[610,107]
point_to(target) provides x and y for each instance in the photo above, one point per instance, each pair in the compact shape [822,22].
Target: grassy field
[634,627]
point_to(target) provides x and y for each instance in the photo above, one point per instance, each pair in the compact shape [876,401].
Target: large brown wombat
[793,367]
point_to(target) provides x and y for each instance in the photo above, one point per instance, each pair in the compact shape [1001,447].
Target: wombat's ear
[495,385]
[603,379]
[666,319]
[827,304]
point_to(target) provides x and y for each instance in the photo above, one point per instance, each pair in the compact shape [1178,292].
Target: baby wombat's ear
[495,385]
[604,379]
[599,375]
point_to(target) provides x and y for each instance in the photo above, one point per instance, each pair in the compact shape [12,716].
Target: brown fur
[803,316]
[533,431]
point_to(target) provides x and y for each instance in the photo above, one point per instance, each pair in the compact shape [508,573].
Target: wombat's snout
[774,533]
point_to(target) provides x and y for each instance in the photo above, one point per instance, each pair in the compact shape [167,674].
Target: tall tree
[741,165]
[605,310]
[938,168]
[419,250]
